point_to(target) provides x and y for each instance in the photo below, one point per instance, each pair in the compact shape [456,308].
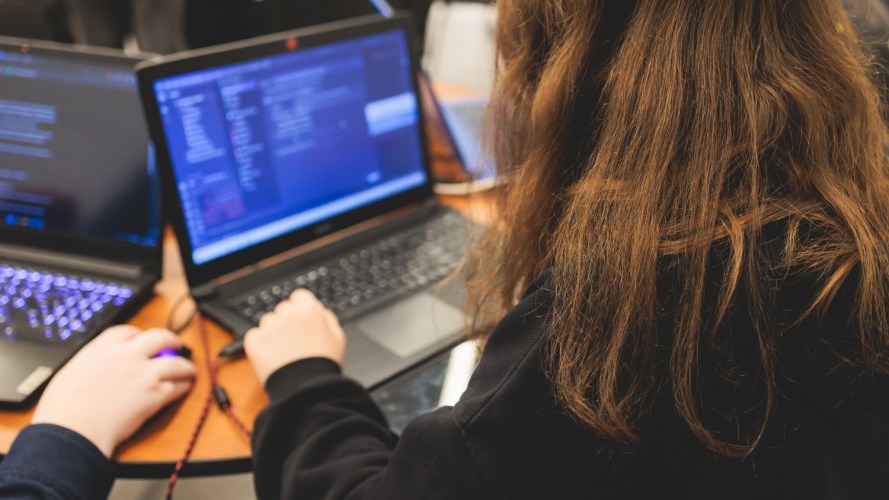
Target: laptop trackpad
[413,324]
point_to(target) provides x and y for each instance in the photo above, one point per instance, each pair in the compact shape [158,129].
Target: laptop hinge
[203,292]
[71,262]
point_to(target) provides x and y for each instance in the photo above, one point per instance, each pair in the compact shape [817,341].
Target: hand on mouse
[299,328]
[114,384]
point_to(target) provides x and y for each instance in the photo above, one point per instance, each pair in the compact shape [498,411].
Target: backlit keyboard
[54,306]
[401,263]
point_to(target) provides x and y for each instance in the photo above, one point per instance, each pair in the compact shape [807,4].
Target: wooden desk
[221,448]
[160,443]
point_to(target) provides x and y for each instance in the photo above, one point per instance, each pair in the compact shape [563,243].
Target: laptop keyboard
[398,264]
[54,306]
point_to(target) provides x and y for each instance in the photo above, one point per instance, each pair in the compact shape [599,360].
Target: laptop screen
[264,147]
[74,150]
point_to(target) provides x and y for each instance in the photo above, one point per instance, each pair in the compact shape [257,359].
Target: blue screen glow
[264,147]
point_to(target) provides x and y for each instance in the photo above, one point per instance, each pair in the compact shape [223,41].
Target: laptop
[79,206]
[462,119]
[299,160]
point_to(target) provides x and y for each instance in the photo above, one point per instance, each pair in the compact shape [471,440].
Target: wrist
[103,442]
[291,377]
[266,368]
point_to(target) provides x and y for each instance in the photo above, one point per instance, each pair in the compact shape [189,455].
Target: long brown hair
[638,135]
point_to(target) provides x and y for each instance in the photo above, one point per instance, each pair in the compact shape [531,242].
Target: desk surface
[221,448]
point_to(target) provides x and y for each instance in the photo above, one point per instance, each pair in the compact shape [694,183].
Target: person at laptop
[100,398]
[696,208]
[696,212]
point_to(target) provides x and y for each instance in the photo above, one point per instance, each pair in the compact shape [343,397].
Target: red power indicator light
[292,44]
[24,48]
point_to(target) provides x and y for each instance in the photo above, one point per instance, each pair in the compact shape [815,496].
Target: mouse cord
[177,329]
[216,393]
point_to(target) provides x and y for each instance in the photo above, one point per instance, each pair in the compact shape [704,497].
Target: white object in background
[460,44]
[461,364]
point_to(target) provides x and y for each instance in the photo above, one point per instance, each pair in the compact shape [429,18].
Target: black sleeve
[323,437]
[50,462]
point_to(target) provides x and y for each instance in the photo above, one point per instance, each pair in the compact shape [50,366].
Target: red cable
[215,388]
[217,393]
[235,420]
[194,437]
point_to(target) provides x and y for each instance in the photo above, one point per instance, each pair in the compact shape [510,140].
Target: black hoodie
[827,438]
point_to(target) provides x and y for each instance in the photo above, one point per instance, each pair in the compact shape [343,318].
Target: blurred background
[445,28]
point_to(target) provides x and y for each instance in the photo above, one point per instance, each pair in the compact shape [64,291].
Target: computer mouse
[183,352]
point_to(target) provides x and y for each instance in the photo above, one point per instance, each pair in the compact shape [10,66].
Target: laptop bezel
[145,256]
[156,69]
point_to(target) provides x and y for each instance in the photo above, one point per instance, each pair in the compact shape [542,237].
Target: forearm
[314,425]
[323,437]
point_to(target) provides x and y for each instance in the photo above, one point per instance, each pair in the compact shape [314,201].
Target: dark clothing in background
[168,26]
[211,22]
[159,25]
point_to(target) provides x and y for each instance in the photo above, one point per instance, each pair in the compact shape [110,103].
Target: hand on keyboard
[298,328]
